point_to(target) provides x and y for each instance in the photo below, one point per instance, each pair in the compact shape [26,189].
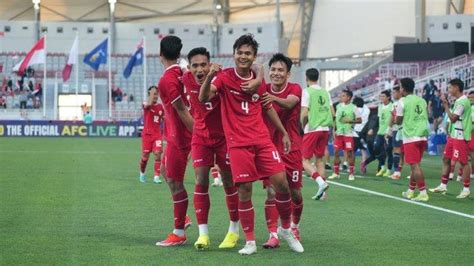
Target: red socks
[271,216]
[316,175]
[232,200]
[351,169]
[296,210]
[247,219]
[157,167]
[283,205]
[336,169]
[180,206]
[444,179]
[143,163]
[201,203]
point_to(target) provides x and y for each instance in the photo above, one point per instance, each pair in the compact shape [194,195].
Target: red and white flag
[72,60]
[37,55]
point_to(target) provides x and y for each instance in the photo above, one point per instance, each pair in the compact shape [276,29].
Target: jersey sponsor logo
[235,92]
[243,175]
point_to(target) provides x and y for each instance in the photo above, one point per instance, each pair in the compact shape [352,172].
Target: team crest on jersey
[255,97]
[160,112]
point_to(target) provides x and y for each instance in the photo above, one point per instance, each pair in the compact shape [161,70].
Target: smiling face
[279,74]
[244,56]
[199,67]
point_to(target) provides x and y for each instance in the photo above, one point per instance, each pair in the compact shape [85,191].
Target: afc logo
[321,100]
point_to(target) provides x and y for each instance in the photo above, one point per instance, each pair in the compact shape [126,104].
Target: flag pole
[44,77]
[55,107]
[94,107]
[110,75]
[144,68]
[77,64]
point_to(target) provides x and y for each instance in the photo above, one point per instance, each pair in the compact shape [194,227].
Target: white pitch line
[402,199]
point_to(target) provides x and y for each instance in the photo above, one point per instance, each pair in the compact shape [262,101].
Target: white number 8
[245,107]
[456,154]
[295,176]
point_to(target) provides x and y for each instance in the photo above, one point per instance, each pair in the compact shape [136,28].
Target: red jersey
[171,89]
[152,119]
[290,118]
[207,116]
[241,113]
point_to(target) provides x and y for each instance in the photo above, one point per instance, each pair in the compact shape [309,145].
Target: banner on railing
[15,128]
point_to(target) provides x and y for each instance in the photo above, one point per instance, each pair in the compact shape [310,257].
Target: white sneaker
[351,178]
[321,190]
[459,178]
[408,177]
[439,189]
[451,176]
[157,180]
[333,176]
[464,194]
[249,248]
[293,243]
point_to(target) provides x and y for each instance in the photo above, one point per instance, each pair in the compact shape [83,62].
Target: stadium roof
[127,10]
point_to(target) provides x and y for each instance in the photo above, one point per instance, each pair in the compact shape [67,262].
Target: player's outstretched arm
[184,114]
[273,116]
[208,91]
[285,103]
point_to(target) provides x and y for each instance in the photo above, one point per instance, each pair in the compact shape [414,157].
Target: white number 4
[276,156]
[245,107]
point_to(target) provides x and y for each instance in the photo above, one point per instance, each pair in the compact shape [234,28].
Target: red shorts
[151,143]
[251,163]
[471,143]
[210,154]
[448,149]
[460,151]
[344,143]
[294,168]
[175,161]
[314,144]
[414,151]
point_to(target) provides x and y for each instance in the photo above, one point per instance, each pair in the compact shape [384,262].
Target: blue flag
[97,56]
[135,60]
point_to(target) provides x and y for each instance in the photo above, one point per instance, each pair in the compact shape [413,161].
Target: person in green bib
[471,143]
[460,133]
[383,141]
[347,115]
[412,114]
[316,118]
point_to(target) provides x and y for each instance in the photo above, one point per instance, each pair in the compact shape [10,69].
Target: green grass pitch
[78,201]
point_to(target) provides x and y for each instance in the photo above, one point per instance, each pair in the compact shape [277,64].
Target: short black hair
[458,83]
[170,47]
[198,51]
[471,92]
[279,57]
[386,93]
[396,88]
[246,39]
[358,101]
[348,93]
[408,84]
[152,87]
[312,74]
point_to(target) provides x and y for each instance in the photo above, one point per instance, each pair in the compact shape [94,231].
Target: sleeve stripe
[177,98]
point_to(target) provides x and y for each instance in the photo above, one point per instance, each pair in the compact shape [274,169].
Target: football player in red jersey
[285,97]
[152,141]
[248,139]
[179,125]
[208,147]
